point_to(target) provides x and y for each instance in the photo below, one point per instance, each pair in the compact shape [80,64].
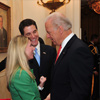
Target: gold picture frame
[5,14]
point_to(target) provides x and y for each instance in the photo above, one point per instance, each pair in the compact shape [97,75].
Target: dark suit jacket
[47,58]
[3,64]
[72,73]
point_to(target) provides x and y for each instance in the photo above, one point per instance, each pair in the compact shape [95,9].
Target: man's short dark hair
[24,23]
[94,36]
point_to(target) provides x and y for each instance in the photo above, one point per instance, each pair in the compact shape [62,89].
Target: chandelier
[52,4]
[95,5]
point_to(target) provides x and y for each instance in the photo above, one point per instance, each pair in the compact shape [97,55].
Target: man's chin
[34,44]
[54,43]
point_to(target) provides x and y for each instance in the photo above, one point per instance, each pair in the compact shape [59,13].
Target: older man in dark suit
[72,73]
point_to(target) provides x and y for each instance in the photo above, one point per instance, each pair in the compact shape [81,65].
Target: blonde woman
[20,79]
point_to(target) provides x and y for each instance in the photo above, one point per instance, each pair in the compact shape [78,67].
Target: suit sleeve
[25,86]
[81,74]
[3,64]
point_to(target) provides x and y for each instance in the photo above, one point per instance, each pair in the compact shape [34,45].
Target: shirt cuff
[40,88]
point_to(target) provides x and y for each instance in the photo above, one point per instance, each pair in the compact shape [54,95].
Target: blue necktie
[37,56]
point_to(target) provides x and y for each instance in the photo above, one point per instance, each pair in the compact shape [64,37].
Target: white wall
[76,17]
[16,16]
[73,13]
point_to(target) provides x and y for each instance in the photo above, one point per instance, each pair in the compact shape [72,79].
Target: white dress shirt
[66,41]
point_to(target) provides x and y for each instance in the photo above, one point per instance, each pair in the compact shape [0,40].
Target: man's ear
[61,29]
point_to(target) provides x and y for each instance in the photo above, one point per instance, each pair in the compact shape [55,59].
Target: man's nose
[32,35]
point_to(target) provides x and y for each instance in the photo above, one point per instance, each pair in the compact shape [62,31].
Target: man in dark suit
[3,64]
[3,34]
[47,54]
[72,73]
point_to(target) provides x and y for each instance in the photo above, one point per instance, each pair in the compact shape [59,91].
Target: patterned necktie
[58,53]
[37,56]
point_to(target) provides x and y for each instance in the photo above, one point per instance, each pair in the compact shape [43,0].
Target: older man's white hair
[58,19]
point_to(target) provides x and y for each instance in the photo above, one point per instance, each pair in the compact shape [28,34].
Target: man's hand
[48,97]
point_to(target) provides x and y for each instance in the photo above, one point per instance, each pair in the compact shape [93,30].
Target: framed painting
[5,27]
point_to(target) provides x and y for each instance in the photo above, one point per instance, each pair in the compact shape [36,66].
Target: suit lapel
[66,48]
[42,53]
[36,63]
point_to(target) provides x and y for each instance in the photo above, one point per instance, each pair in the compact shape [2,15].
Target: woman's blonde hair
[16,57]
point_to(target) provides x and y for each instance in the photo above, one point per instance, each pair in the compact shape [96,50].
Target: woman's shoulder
[20,71]
[21,74]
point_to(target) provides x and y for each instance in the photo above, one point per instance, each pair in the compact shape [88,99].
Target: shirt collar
[66,41]
[38,48]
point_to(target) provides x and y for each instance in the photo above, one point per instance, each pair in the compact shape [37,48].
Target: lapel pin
[44,52]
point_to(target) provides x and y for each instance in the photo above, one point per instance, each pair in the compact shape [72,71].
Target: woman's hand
[42,81]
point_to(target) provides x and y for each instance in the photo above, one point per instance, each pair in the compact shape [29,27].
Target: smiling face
[32,33]
[29,50]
